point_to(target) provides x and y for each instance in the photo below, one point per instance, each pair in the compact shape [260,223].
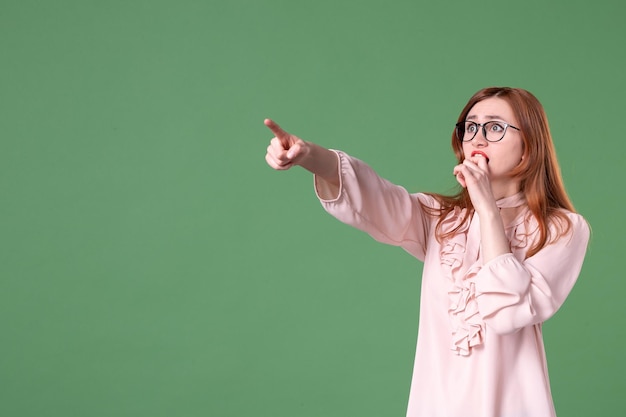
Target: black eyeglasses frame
[460,130]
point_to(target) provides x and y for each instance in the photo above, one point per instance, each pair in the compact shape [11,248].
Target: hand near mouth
[473,174]
[472,168]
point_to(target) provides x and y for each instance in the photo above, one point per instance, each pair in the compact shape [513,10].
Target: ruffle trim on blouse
[468,328]
[467,325]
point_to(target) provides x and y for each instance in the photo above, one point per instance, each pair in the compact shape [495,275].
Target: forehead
[492,108]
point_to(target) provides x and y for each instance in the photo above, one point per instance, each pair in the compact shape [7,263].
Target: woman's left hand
[473,174]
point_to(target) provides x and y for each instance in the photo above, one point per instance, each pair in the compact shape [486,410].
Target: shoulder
[574,221]
[561,221]
[580,228]
[428,200]
[569,227]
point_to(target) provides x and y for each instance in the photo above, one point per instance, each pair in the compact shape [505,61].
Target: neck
[504,189]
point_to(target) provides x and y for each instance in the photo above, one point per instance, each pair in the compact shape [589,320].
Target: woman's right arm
[353,193]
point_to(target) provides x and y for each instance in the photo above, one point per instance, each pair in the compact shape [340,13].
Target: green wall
[151,264]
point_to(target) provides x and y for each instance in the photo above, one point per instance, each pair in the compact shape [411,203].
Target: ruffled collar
[460,260]
[516,200]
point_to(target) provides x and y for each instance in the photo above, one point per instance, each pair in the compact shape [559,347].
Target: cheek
[518,152]
[512,154]
[511,158]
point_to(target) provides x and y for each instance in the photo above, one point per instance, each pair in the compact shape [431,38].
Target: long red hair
[538,171]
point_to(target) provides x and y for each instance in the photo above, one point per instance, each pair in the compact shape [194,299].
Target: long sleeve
[385,211]
[512,294]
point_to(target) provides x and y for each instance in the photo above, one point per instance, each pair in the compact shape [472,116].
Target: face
[504,155]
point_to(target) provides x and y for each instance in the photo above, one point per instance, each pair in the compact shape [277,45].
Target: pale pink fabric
[480,350]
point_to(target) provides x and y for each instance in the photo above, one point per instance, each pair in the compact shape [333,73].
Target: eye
[471,127]
[496,127]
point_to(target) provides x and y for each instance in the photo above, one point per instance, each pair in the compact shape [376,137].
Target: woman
[500,257]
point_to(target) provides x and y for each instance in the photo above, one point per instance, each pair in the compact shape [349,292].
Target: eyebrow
[490,117]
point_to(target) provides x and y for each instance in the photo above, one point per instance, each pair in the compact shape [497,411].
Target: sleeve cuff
[325,192]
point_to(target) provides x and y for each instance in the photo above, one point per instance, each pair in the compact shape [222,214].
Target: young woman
[500,257]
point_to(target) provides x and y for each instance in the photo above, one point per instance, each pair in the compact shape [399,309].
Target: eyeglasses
[493,131]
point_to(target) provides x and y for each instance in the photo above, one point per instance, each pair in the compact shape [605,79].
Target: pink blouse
[480,350]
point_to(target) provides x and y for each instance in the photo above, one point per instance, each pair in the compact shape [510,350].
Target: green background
[151,264]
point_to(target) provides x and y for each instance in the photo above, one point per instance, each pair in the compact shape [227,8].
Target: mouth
[484,155]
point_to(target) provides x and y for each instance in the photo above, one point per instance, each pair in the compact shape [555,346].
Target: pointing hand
[285,149]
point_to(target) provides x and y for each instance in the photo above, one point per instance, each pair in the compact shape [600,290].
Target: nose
[480,139]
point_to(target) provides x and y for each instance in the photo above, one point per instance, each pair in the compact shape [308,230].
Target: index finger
[274,127]
[482,161]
